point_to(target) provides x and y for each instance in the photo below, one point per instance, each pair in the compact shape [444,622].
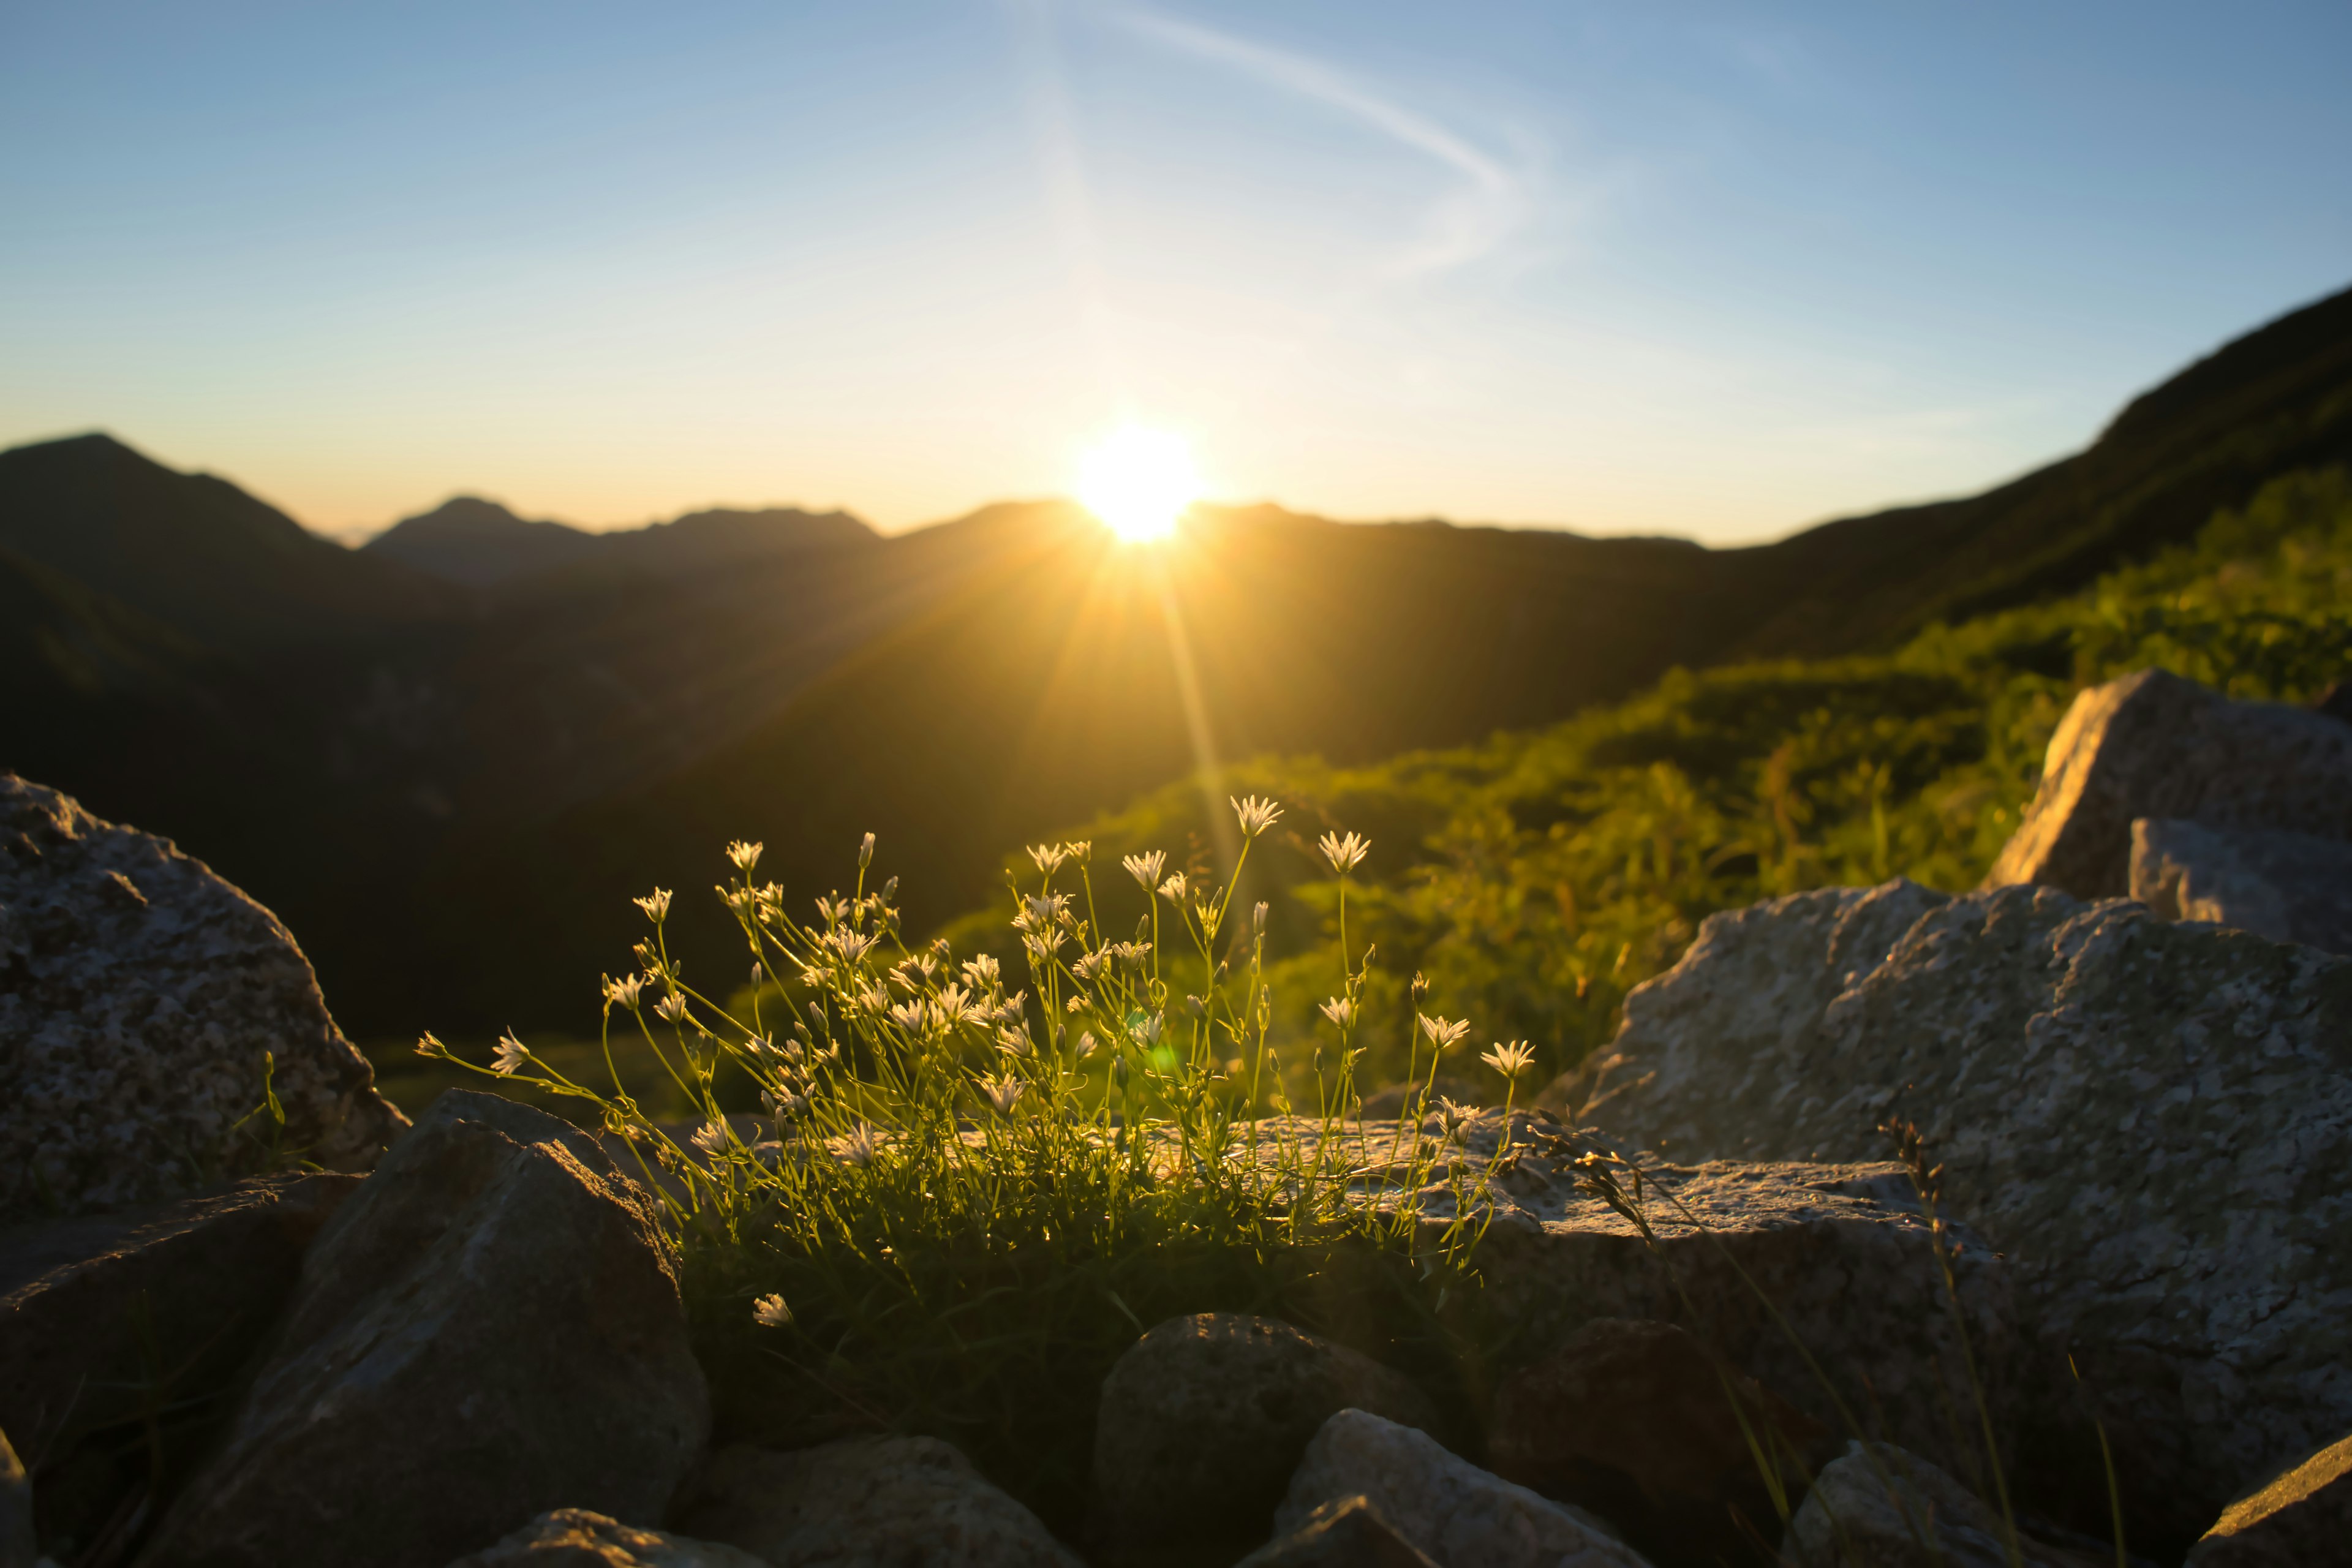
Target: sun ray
[1139,481]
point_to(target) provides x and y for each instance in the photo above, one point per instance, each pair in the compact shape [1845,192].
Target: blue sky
[1713,271]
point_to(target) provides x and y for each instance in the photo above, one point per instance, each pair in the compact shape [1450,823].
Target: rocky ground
[1729,1305]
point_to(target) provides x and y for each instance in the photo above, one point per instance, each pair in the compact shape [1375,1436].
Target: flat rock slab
[2154,745]
[1447,1508]
[138,994]
[2153,1121]
[575,1538]
[490,1328]
[2302,1517]
[1203,1418]
[864,1502]
[1883,1508]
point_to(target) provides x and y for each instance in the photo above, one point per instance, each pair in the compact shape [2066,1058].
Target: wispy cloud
[1491,200]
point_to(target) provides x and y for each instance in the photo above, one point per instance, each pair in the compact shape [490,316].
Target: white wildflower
[1049,856]
[1345,854]
[428,1044]
[910,1016]
[1089,966]
[672,1006]
[511,1053]
[744,856]
[856,1146]
[770,1312]
[1511,1060]
[710,1137]
[981,971]
[623,992]
[1444,1035]
[812,976]
[865,852]
[1255,814]
[1009,1010]
[1078,849]
[1013,1042]
[851,943]
[1003,1091]
[1340,1010]
[1147,1029]
[1146,868]
[1172,889]
[656,905]
[1086,1045]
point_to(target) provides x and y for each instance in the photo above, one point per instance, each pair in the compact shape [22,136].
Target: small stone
[1346,1534]
[488,1329]
[2302,1517]
[1455,1513]
[1634,1420]
[575,1538]
[138,992]
[1202,1420]
[1894,1510]
[863,1502]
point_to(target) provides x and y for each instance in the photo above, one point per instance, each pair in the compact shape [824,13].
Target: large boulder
[2154,745]
[863,1502]
[1636,1420]
[1203,1418]
[138,992]
[1350,1533]
[490,1328]
[1457,1514]
[99,1313]
[575,1538]
[2302,1516]
[1880,1507]
[2289,887]
[2152,1121]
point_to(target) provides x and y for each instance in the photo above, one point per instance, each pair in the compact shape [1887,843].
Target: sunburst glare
[1139,482]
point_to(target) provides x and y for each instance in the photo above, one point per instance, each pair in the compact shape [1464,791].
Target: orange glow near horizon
[1139,481]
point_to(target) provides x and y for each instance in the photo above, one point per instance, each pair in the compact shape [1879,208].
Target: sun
[1139,482]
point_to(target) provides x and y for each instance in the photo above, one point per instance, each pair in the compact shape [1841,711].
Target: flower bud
[865,853]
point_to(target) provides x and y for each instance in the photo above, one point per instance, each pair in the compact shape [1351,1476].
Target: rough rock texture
[1456,1513]
[488,1329]
[89,1305]
[1203,1418]
[865,1503]
[18,1546]
[138,993]
[2153,1121]
[1901,1512]
[1836,1248]
[574,1537]
[2289,887]
[1350,1533]
[2152,744]
[1634,1420]
[2302,1517]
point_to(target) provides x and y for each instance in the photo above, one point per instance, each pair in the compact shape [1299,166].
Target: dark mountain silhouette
[448,791]
[481,544]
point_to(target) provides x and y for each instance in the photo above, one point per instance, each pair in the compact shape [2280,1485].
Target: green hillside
[1538,878]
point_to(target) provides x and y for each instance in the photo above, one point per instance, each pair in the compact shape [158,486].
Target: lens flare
[1139,482]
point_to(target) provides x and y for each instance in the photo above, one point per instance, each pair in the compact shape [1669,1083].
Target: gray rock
[2304,1516]
[20,1548]
[2152,744]
[1456,1513]
[1894,1510]
[489,1329]
[1845,1262]
[575,1538]
[1350,1533]
[2153,1120]
[1203,1418]
[138,993]
[93,1311]
[2289,887]
[864,1502]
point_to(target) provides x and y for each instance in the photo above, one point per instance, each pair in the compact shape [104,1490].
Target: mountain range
[447,757]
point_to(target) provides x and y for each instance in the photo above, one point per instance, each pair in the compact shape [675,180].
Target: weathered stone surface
[1459,1515]
[1894,1510]
[864,1502]
[2302,1517]
[1835,1251]
[1203,1418]
[91,1306]
[2152,744]
[2289,887]
[488,1329]
[575,1538]
[2153,1121]
[1350,1533]
[18,1546]
[1634,1420]
[138,993]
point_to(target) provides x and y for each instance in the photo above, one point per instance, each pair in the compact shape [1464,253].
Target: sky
[1713,271]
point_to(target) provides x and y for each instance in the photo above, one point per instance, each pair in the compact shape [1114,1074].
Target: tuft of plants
[966,1191]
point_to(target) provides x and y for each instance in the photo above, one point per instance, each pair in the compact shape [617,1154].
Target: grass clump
[963,1195]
